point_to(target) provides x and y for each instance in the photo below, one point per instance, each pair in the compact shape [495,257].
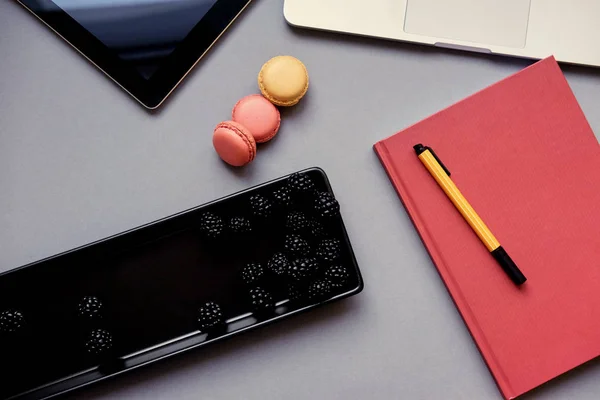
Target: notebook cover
[523,154]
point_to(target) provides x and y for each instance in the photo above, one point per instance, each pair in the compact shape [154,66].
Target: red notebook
[523,154]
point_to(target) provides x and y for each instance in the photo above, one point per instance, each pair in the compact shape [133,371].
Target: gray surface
[79,161]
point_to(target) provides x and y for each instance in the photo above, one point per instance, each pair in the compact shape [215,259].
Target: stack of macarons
[283,82]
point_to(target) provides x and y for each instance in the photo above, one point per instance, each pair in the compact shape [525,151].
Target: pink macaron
[234,143]
[259,115]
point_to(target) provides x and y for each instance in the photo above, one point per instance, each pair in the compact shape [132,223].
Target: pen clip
[438,160]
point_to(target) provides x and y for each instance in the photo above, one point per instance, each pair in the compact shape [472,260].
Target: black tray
[152,281]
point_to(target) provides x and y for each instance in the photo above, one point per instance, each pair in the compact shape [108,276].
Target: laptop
[535,29]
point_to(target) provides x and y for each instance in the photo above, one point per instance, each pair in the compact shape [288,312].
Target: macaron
[234,143]
[283,80]
[259,116]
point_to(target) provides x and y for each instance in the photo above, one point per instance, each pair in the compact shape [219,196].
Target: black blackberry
[316,229]
[240,225]
[296,222]
[326,205]
[209,316]
[337,275]
[296,246]
[100,341]
[11,321]
[300,183]
[303,268]
[90,307]
[278,264]
[252,273]
[295,292]
[283,197]
[261,206]
[210,225]
[319,289]
[262,301]
[329,250]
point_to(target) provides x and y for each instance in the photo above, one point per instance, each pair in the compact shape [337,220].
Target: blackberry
[316,229]
[252,273]
[100,341]
[283,197]
[90,307]
[329,250]
[240,225]
[278,264]
[326,205]
[261,206]
[296,222]
[210,225]
[296,246]
[300,183]
[262,301]
[319,289]
[210,316]
[11,321]
[295,292]
[303,268]
[337,275]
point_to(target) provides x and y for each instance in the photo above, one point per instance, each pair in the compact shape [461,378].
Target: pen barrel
[460,202]
[509,266]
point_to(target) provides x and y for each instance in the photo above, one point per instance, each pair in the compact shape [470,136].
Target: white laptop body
[567,29]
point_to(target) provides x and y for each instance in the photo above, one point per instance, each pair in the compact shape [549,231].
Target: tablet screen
[141,32]
[145,46]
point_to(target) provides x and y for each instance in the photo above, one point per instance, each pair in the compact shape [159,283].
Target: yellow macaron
[283,80]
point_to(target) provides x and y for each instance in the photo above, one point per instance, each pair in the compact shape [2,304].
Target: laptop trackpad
[496,22]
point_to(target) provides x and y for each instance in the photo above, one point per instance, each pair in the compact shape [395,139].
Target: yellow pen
[442,176]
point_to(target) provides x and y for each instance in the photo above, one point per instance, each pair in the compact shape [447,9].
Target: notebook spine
[451,285]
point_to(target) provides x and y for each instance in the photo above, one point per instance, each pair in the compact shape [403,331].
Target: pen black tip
[508,265]
[419,148]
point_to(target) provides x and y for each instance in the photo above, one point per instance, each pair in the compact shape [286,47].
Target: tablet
[146,46]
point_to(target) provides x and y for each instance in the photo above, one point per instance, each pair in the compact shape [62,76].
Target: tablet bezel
[149,92]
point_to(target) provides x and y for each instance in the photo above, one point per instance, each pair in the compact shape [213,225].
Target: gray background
[79,161]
